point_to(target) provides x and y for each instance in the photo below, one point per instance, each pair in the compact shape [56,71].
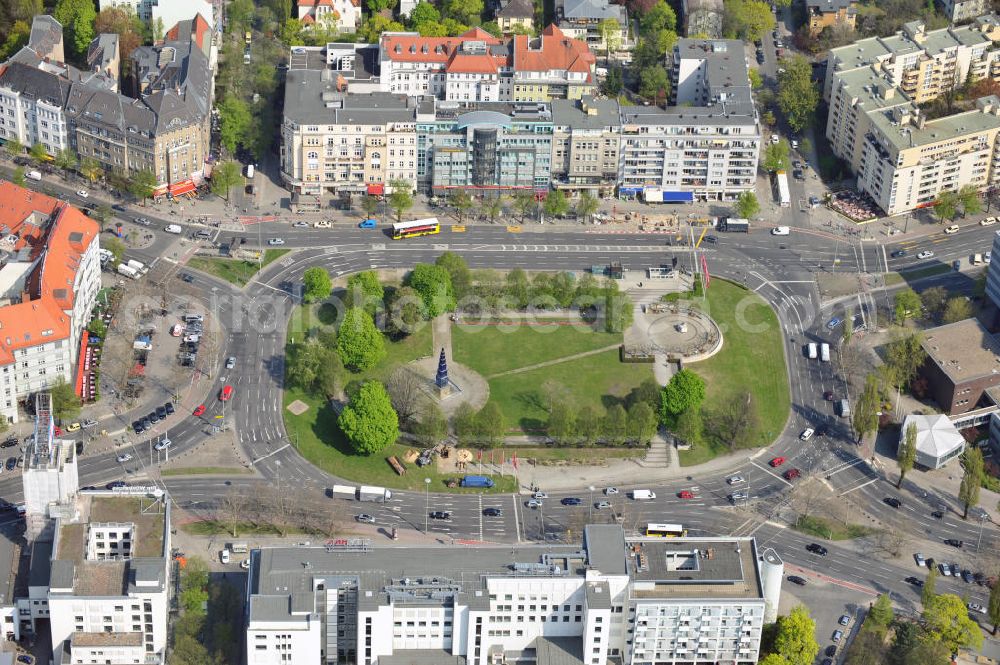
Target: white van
[239,548]
[977,259]
[642,495]
[172,228]
[824,352]
[33,175]
[781,231]
[224,556]
[249,170]
[811,350]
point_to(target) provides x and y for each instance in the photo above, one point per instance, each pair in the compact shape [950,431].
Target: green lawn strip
[205,470]
[571,454]
[599,380]
[216,528]
[701,454]
[823,528]
[493,349]
[894,278]
[751,360]
[235,271]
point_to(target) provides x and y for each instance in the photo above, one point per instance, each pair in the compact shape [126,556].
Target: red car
[57,430]
[199,410]
[226,393]
[792,474]
[685,495]
[777,461]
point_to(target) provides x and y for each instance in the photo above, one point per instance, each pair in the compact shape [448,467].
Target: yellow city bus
[665,530]
[419,227]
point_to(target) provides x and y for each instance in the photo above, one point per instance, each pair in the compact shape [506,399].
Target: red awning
[79,365]
[183,187]
[376,190]
[160,191]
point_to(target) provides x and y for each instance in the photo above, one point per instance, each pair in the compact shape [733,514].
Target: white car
[82,193]
[919,558]
[230,362]
[534,503]
[795,144]
[124,457]
[774,138]
[976,607]
[163,444]
[926,254]
[738,496]
[192,338]
[539,495]
[245,564]
[951,229]
[735,480]
[301,225]
[608,491]
[602,504]
[275,241]
[989,221]
[781,231]
[807,433]
[987,257]
[322,224]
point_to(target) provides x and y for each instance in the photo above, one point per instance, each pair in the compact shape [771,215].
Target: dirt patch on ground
[838,285]
[298,407]
[216,452]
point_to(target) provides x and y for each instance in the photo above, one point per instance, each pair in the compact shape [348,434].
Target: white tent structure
[938,442]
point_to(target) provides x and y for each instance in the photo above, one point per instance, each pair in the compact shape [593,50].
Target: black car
[831,650]
[118,207]
[493,512]
[169,407]
[187,277]
[11,463]
[929,562]
[152,417]
[116,483]
[980,579]
[798,174]
[9,443]
[898,253]
[441,515]
[571,501]
[892,501]
[915,581]
[937,514]
[711,240]
[816,548]
[137,426]
[161,412]
[821,430]
[795,579]
[145,424]
[953,542]
[967,576]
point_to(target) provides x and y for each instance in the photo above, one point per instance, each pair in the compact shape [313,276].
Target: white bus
[418,227]
[665,530]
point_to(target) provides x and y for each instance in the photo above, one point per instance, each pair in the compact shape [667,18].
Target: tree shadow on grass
[327,314]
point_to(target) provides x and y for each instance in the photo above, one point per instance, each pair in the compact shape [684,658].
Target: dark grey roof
[41,563]
[146,573]
[558,650]
[35,83]
[8,567]
[421,657]
[605,545]
[46,33]
[62,574]
[87,103]
[593,10]
[826,6]
[598,596]
[517,9]
[176,68]
[311,96]
[599,113]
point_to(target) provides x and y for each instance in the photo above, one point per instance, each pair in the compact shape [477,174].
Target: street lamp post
[590,510]
[427,504]
[983,516]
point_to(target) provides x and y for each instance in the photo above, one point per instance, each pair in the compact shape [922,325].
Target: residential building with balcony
[961,11]
[705,144]
[514,15]
[165,13]
[586,136]
[830,14]
[581,19]
[613,600]
[344,15]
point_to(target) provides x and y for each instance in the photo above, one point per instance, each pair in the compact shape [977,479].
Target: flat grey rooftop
[694,568]
[312,96]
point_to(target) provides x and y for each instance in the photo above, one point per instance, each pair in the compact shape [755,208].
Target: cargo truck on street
[371,493]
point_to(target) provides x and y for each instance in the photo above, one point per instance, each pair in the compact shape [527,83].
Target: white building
[938,442]
[50,273]
[344,15]
[165,12]
[705,144]
[628,600]
[51,476]
[960,11]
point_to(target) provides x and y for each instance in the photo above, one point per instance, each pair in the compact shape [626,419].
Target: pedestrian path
[548,363]
[658,455]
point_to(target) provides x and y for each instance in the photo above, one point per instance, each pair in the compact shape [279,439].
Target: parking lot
[827,603]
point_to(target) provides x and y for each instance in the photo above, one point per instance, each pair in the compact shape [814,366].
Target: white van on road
[781,231]
[642,495]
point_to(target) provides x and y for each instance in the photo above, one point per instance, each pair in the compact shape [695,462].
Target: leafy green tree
[684,392]
[66,160]
[993,607]
[772,659]
[972,479]
[38,153]
[458,271]
[654,82]
[867,407]
[618,312]
[461,202]
[18,177]
[649,392]
[747,19]
[102,214]
[798,95]
[433,284]
[406,311]
[239,15]
[906,454]
[65,402]
[588,425]
[364,290]
[193,600]
[587,204]
[97,327]
[556,204]
[359,343]
[369,422]
[401,198]
[971,203]
[756,80]
[375,25]
[91,169]
[463,422]
[659,16]
[795,640]
[690,427]
[561,425]
[316,284]
[642,423]
[946,621]
[14,147]
[524,204]
[424,12]
[614,427]
[881,611]
[490,426]
[77,18]
[747,205]
[907,304]
[378,6]
[142,184]
[116,247]
[225,176]
[611,34]
[933,300]
[946,205]
[370,204]
[928,591]
[467,12]
[432,427]
[776,156]
[121,21]
[614,82]
[492,208]
[234,122]
[957,309]
[17,37]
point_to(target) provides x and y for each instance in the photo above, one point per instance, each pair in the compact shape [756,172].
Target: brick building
[963,361]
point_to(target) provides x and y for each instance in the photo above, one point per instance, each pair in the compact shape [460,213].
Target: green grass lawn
[493,349]
[600,380]
[751,360]
[893,278]
[233,270]
[824,528]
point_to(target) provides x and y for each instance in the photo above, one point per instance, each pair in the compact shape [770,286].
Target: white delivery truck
[784,194]
[371,493]
[643,495]
[173,228]
[824,352]
[128,271]
[138,266]
[33,175]
[343,492]
[811,349]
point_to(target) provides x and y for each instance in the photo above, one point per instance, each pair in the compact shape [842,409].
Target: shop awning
[677,197]
[376,190]
[629,190]
[183,187]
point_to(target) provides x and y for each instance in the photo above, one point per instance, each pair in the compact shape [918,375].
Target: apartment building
[705,144]
[585,142]
[581,19]
[489,147]
[477,67]
[344,15]
[615,599]
[165,13]
[960,11]
[49,279]
[512,15]
[830,14]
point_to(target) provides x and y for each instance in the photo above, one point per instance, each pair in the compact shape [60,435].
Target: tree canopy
[798,95]
[369,421]
[316,284]
[685,391]
[360,344]
[947,622]
[747,205]
[795,640]
[365,290]
[433,284]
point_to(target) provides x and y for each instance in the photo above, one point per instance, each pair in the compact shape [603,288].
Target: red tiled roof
[68,239]
[473,64]
[308,18]
[315,3]
[557,52]
[201,30]
[30,323]
[412,47]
